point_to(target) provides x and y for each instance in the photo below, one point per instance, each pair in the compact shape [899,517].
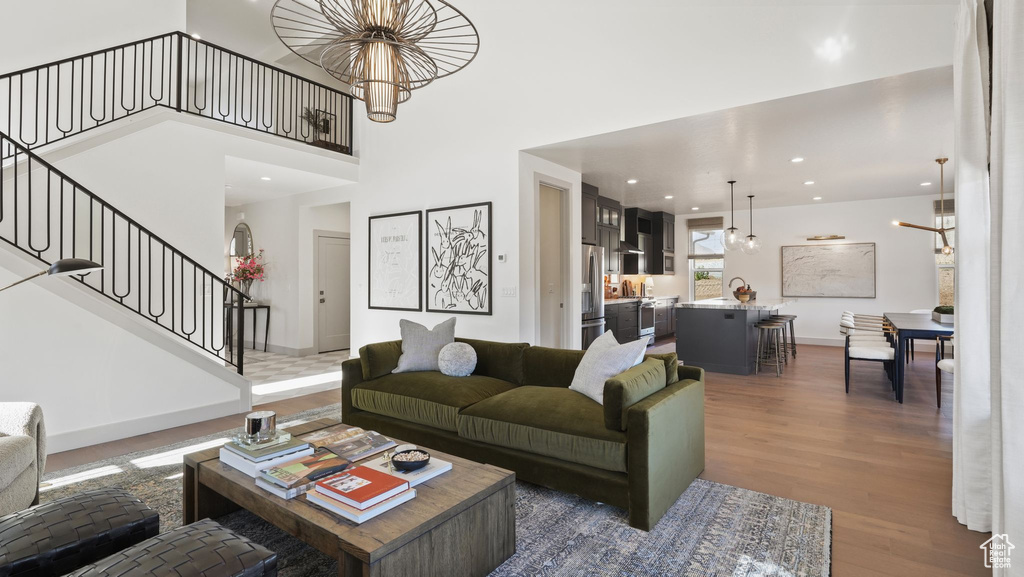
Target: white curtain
[988,418]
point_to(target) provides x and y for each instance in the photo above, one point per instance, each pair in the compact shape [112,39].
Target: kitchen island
[718,335]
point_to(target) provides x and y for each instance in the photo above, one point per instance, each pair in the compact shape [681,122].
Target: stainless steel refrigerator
[593,293]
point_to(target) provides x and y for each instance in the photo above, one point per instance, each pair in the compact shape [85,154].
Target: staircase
[49,216]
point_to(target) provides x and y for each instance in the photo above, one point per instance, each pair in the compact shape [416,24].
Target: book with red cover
[362,487]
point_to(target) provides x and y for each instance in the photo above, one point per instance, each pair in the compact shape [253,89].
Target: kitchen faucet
[739,279]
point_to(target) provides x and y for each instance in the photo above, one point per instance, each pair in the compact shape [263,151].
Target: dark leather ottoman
[60,536]
[202,549]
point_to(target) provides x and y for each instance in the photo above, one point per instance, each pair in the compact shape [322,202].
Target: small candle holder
[261,429]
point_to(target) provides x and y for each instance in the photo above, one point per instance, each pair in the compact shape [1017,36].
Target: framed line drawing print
[396,261]
[459,259]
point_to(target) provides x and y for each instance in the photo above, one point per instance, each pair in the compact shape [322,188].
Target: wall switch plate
[509,291]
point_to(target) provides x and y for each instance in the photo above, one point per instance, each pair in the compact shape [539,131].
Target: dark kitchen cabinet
[608,238]
[588,217]
[664,317]
[609,215]
[663,226]
[611,319]
[627,321]
[668,232]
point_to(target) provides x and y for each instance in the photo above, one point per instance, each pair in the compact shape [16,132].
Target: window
[945,262]
[707,257]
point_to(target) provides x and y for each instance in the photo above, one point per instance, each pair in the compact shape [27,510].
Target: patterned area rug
[712,530]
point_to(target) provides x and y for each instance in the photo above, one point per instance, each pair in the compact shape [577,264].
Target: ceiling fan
[941,230]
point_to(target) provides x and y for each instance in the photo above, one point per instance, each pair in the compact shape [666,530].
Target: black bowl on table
[410,465]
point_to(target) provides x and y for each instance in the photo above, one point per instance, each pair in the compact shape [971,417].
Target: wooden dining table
[912,326]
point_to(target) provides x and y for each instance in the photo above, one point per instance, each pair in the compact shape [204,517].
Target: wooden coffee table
[460,523]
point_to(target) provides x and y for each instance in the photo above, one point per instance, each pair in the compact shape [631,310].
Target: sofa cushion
[499,360]
[546,367]
[671,361]
[604,359]
[626,389]
[549,421]
[427,397]
[379,359]
[421,346]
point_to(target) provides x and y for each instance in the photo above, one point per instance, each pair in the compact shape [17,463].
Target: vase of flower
[249,269]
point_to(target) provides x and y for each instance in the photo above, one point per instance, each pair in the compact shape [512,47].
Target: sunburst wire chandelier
[383,49]
[942,229]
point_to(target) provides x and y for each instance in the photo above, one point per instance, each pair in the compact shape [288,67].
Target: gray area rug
[712,530]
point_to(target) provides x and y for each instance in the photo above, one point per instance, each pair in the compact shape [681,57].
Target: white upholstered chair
[942,365]
[867,339]
[22,455]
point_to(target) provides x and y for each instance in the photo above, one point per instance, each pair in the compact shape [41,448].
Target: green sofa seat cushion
[427,397]
[550,421]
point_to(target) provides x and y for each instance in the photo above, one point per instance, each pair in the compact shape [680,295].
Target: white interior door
[551,289]
[334,279]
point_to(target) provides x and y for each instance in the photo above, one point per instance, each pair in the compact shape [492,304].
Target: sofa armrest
[351,375]
[25,419]
[629,388]
[666,449]
[688,372]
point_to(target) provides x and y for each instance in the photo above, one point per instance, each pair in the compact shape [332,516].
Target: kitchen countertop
[619,301]
[731,303]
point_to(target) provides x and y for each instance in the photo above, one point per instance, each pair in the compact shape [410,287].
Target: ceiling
[870,140]
[243,181]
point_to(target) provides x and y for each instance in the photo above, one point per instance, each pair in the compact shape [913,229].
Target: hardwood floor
[883,468]
[58,461]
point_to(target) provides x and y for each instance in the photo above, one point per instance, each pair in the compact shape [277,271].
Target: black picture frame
[463,306]
[379,275]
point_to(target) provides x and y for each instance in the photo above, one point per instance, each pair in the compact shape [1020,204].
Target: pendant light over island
[751,244]
[733,240]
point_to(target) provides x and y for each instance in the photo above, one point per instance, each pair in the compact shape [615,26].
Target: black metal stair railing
[48,103]
[49,216]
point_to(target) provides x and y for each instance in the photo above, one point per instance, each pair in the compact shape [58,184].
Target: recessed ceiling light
[797,159]
[227,186]
[695,208]
[632,181]
[669,197]
[195,36]
[816,198]
[926,184]
[808,182]
[264,178]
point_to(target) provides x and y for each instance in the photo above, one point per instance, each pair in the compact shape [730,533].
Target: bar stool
[788,319]
[771,343]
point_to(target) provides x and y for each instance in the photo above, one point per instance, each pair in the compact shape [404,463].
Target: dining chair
[942,365]
[868,338]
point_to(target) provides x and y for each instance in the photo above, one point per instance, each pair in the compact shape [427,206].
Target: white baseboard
[121,430]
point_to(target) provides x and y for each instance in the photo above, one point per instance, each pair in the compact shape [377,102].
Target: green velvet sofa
[638,451]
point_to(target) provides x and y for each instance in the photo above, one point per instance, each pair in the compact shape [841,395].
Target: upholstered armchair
[22,455]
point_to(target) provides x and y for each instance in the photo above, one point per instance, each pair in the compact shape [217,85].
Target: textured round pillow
[457,360]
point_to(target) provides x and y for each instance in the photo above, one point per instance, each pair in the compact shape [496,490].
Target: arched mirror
[241,241]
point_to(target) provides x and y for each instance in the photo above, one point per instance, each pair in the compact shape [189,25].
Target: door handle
[322,301]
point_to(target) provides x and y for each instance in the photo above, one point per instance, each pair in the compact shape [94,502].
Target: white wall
[456,141]
[283,228]
[906,275]
[73,27]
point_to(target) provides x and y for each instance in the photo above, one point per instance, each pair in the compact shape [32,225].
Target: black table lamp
[63,267]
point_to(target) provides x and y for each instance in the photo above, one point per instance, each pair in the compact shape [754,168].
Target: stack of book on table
[293,478]
[250,459]
[361,494]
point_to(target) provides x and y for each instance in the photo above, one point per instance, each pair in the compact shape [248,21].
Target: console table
[249,307]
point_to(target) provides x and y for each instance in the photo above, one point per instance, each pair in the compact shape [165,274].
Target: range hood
[625,247]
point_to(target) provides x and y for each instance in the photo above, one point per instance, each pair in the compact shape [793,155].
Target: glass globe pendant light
[751,244]
[733,239]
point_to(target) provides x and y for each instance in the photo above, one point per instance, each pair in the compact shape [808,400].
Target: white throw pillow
[421,346]
[603,360]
